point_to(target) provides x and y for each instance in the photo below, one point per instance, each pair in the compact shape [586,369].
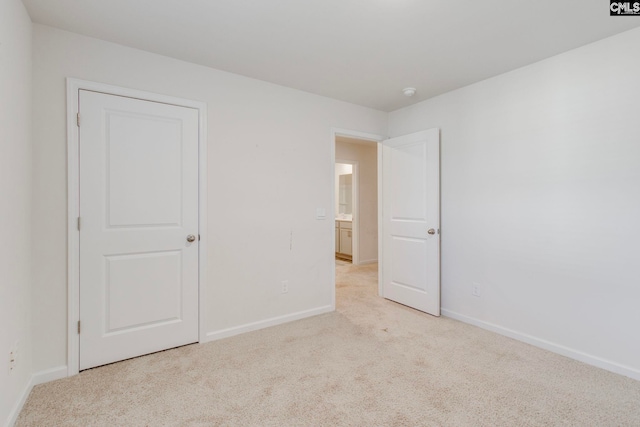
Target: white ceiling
[361,51]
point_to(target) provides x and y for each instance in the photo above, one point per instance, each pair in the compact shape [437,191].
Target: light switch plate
[321,213]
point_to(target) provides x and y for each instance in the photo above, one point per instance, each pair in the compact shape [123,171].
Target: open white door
[138,227]
[411,220]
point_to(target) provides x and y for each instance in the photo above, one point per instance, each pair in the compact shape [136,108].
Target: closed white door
[411,220]
[138,227]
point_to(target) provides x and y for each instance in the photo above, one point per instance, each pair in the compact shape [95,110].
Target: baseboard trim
[13,415]
[254,326]
[35,379]
[47,375]
[547,345]
[368,261]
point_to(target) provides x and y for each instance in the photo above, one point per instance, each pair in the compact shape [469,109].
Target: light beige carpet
[371,363]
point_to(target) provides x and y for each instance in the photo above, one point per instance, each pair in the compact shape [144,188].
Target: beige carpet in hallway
[370,363]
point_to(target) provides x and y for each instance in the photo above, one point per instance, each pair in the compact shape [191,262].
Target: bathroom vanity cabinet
[344,239]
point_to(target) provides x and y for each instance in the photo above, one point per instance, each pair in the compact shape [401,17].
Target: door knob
[191,238]
[431,231]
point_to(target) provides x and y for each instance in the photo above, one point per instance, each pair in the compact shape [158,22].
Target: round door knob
[191,238]
[431,231]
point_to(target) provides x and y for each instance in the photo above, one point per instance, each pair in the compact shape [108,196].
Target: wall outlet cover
[476,290]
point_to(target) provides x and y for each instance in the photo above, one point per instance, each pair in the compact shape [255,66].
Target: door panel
[163,301]
[407,253]
[407,164]
[411,206]
[153,197]
[138,202]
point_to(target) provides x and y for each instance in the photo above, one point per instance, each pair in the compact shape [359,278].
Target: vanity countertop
[349,219]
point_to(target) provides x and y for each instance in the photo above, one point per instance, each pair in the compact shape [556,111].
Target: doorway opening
[356,206]
[407,181]
[346,192]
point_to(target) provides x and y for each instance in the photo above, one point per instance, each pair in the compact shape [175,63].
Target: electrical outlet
[13,357]
[285,287]
[475,290]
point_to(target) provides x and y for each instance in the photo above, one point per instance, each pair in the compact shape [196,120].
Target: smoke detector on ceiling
[409,91]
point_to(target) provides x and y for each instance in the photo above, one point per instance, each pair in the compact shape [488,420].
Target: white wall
[541,201]
[15,202]
[269,156]
[367,157]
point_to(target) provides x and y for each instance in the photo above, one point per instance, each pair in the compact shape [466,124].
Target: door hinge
[198,237]
[78,119]
[78,327]
[78,223]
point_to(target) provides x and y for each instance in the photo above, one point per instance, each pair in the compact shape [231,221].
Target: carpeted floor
[370,363]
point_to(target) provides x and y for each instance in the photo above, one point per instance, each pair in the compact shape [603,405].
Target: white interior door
[138,205]
[411,220]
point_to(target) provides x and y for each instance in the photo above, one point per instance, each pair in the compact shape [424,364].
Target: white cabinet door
[411,220]
[346,242]
[138,204]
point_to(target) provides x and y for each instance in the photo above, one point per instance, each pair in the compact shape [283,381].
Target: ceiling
[360,51]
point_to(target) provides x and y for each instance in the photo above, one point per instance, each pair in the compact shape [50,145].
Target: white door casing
[411,220]
[138,202]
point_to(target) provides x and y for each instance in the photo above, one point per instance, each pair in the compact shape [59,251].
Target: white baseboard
[36,378]
[47,375]
[236,330]
[368,261]
[547,345]
[15,411]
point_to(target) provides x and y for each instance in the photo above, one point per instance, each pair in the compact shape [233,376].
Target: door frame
[369,137]
[73,203]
